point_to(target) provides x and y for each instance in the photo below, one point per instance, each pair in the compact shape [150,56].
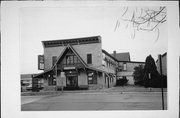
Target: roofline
[164,54]
[161,56]
[69,46]
[109,55]
[123,53]
[132,61]
[70,39]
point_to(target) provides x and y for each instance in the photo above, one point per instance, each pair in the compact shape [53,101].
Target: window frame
[94,78]
[89,58]
[54,59]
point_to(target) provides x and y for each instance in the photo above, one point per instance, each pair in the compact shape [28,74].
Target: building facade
[163,63]
[75,64]
[79,63]
[26,82]
[126,70]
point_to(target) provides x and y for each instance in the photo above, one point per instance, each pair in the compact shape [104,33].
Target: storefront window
[52,81]
[92,78]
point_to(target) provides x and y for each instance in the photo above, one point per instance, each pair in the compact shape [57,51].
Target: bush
[122,82]
[157,82]
[138,75]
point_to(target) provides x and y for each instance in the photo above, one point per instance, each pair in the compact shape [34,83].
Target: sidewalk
[119,90]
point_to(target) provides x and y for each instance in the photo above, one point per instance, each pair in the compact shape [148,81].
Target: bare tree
[143,19]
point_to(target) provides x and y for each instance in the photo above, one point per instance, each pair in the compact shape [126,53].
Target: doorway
[72,81]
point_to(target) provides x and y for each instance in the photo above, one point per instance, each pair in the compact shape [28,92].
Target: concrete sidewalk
[119,90]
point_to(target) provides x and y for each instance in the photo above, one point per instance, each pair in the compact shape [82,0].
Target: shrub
[122,82]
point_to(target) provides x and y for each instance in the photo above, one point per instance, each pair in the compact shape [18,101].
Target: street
[97,101]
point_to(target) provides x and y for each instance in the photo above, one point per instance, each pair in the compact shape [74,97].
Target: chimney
[114,54]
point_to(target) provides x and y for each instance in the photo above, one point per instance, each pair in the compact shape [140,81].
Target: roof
[73,41]
[74,51]
[59,58]
[125,56]
[163,55]
[133,62]
[109,54]
[26,76]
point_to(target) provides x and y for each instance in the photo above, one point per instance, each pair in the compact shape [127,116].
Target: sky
[40,24]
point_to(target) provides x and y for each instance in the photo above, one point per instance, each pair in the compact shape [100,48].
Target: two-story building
[126,67]
[76,64]
[126,70]
[81,63]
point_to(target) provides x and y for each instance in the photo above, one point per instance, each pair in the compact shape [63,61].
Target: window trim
[89,58]
[54,59]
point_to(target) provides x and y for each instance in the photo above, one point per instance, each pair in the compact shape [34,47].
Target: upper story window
[71,60]
[89,58]
[124,66]
[54,59]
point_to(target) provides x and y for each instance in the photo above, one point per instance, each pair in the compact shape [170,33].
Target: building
[126,66]
[78,63]
[126,70]
[26,82]
[163,63]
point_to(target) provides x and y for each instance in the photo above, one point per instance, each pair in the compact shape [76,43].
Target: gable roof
[26,75]
[60,57]
[125,56]
[74,51]
[109,54]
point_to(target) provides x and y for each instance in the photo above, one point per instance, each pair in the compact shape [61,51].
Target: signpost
[62,79]
[160,65]
[149,81]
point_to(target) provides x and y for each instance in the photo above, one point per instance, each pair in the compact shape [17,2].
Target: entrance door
[72,81]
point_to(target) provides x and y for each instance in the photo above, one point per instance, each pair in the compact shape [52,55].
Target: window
[51,81]
[89,58]
[71,60]
[92,78]
[54,59]
[124,66]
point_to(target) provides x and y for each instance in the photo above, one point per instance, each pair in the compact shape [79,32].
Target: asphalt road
[96,101]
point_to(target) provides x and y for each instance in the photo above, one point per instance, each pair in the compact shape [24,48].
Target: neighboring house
[26,82]
[125,56]
[81,63]
[126,70]
[164,64]
[126,66]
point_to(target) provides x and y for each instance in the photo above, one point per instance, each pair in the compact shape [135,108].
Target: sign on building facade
[60,79]
[40,62]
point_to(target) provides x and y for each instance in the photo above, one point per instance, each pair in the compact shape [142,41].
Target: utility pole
[56,77]
[149,82]
[62,78]
[160,65]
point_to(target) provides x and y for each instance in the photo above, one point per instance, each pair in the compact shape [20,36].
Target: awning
[41,75]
